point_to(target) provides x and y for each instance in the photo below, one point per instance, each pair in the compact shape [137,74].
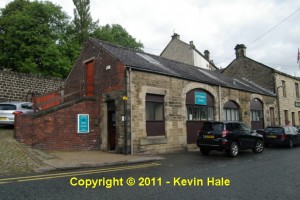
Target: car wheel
[291,143]
[259,146]
[234,149]
[204,151]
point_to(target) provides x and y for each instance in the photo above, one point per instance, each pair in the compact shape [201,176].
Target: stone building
[140,103]
[187,53]
[285,86]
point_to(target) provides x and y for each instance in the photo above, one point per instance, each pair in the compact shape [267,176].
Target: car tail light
[283,136]
[224,133]
[17,113]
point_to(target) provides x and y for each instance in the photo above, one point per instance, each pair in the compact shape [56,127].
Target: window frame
[155,127]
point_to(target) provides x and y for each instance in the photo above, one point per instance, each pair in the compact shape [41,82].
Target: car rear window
[8,107]
[276,130]
[213,127]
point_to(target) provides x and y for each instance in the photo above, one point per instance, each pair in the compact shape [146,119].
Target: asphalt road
[274,174]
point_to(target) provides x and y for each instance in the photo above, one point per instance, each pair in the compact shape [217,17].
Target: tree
[85,27]
[83,21]
[118,35]
[36,37]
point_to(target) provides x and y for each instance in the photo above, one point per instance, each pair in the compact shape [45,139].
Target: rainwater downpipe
[130,101]
[278,103]
[220,110]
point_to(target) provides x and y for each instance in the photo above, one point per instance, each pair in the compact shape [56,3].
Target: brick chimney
[240,51]
[206,55]
[176,36]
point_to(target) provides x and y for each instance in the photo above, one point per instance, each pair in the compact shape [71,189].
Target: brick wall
[58,128]
[18,86]
[55,128]
[109,86]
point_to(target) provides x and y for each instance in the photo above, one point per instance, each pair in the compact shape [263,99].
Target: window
[231,111]
[231,114]
[256,115]
[297,90]
[293,119]
[200,113]
[155,124]
[8,107]
[155,111]
[283,88]
[286,116]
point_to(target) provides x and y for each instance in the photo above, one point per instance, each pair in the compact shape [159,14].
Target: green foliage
[83,21]
[116,34]
[33,38]
[38,37]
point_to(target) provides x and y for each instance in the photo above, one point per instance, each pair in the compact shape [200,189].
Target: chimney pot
[206,55]
[175,36]
[240,51]
[192,44]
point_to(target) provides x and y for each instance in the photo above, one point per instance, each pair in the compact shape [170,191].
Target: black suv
[229,137]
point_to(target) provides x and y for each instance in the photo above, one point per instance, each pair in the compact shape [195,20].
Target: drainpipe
[278,104]
[125,100]
[220,104]
[130,101]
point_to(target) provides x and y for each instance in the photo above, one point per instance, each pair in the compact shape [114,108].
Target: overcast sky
[269,28]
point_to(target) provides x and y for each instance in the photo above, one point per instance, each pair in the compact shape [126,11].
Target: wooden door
[111,125]
[90,79]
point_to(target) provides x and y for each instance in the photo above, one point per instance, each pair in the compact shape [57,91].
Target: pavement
[18,158]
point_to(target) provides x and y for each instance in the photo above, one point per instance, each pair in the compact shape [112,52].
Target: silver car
[8,110]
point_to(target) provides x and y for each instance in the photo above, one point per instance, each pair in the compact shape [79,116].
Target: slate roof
[151,63]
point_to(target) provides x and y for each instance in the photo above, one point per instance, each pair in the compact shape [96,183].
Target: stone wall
[246,68]
[175,111]
[20,86]
[288,103]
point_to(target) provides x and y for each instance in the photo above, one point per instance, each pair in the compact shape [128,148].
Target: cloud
[215,25]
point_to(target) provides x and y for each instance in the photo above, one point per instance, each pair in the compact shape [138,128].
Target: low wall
[56,128]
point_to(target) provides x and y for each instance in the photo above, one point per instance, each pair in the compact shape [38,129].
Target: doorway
[272,116]
[111,125]
[90,79]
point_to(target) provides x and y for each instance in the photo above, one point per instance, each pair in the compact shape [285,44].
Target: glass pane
[203,113]
[210,113]
[228,115]
[159,112]
[149,111]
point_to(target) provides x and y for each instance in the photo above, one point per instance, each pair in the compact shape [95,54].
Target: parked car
[286,135]
[8,110]
[230,137]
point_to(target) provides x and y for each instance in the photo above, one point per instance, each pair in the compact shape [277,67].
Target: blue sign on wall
[200,98]
[83,123]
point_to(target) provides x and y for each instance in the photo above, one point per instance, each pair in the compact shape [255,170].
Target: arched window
[200,108]
[256,110]
[231,111]
[256,114]
[200,105]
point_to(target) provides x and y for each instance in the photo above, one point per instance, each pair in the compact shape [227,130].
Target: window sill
[151,140]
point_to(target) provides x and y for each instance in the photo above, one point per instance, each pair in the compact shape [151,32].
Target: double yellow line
[77,173]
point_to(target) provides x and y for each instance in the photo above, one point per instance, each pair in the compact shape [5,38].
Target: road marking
[77,173]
